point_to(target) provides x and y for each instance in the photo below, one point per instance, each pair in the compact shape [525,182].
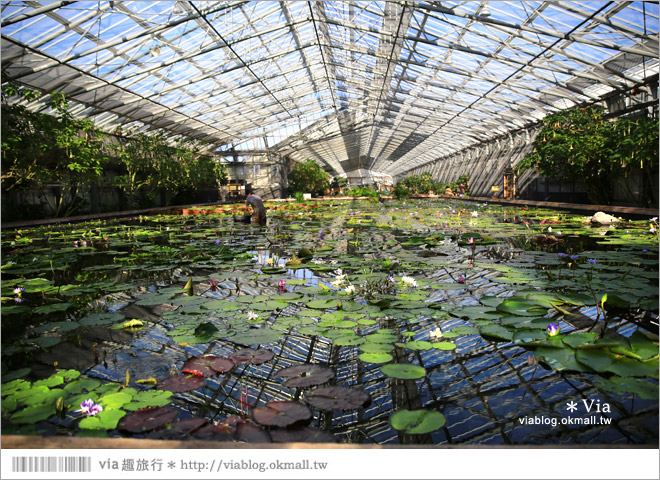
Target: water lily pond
[418,322]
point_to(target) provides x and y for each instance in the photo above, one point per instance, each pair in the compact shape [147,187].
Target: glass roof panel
[359,80]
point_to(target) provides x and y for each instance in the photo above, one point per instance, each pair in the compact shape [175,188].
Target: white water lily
[408,281]
[252,316]
[475,213]
[436,334]
[350,289]
[549,229]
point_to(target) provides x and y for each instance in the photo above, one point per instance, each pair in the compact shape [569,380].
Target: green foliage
[401,191]
[582,145]
[423,184]
[363,192]
[39,150]
[60,158]
[309,177]
[151,165]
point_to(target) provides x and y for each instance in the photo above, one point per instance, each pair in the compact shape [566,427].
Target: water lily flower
[89,408]
[18,300]
[560,254]
[19,291]
[282,283]
[460,280]
[436,334]
[350,289]
[592,260]
[553,329]
[213,284]
[471,240]
[390,279]
[574,257]
[475,213]
[549,229]
[218,242]
[269,261]
[408,281]
[252,316]
[321,233]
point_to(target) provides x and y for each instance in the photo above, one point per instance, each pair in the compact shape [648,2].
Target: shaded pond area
[417,322]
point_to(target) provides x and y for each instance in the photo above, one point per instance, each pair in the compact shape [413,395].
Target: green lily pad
[444,345]
[96,319]
[53,308]
[415,422]
[403,371]
[32,415]
[257,336]
[348,340]
[105,420]
[375,357]
[418,345]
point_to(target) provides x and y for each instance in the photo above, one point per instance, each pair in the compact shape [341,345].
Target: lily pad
[105,420]
[348,340]
[252,356]
[101,319]
[338,398]
[444,345]
[207,365]
[147,419]
[305,375]
[182,383]
[282,413]
[33,414]
[301,434]
[257,336]
[415,422]
[375,357]
[403,371]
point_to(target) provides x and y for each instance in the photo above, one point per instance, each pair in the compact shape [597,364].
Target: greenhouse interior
[380,224]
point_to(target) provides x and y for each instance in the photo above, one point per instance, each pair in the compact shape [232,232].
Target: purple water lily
[89,408]
[460,280]
[213,284]
[553,329]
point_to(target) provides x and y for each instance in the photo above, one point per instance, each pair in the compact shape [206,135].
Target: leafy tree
[308,176]
[583,146]
[151,166]
[46,153]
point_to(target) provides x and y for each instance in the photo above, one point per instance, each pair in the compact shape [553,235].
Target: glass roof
[379,86]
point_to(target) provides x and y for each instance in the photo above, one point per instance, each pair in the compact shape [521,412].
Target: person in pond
[258,209]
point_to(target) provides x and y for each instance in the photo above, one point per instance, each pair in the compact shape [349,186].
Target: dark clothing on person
[258,209]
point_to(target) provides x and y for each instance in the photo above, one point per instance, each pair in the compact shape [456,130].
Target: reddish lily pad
[301,434]
[179,430]
[147,419]
[182,383]
[282,413]
[250,355]
[249,432]
[207,366]
[338,398]
[306,375]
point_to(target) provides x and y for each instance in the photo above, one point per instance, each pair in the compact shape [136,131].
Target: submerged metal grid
[483,388]
[387,87]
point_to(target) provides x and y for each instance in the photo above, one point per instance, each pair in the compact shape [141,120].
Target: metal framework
[387,87]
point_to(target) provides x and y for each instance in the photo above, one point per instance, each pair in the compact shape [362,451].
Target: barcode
[51,464]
